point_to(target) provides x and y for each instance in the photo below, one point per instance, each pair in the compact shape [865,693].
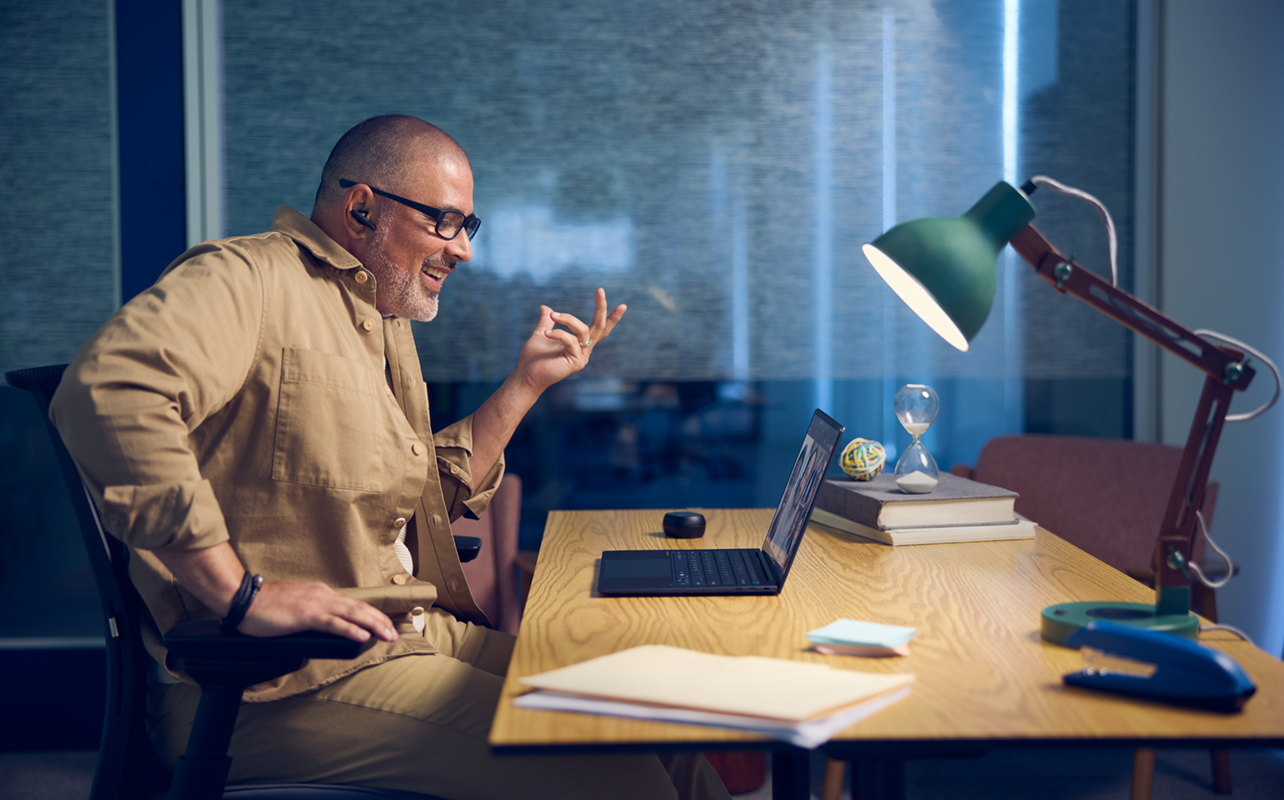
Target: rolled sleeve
[464,496]
[184,515]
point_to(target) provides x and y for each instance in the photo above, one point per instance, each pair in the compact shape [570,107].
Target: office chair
[492,577]
[224,665]
[1106,497]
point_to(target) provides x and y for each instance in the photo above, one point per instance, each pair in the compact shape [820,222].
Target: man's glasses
[449,223]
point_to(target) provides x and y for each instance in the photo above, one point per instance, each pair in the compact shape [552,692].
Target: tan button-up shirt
[244,398]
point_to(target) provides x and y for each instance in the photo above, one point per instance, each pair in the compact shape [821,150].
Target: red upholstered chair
[1107,497]
[492,576]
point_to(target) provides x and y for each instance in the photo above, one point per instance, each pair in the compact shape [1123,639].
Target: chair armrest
[202,639]
[468,547]
[235,661]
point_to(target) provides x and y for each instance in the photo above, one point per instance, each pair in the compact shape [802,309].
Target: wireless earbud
[360,216]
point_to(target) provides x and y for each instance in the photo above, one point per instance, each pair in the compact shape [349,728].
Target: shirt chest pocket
[332,426]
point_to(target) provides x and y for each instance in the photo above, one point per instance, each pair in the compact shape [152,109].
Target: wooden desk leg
[790,774]
[835,771]
[878,779]
[1221,771]
[1143,773]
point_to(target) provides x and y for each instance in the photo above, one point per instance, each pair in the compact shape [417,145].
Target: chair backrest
[492,576]
[127,765]
[1105,496]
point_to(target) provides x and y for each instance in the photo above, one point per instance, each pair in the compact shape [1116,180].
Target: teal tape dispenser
[1158,666]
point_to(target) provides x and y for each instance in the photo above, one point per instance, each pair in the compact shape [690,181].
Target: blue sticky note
[863,634]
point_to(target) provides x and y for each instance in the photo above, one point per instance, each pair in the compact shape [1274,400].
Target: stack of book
[957,510]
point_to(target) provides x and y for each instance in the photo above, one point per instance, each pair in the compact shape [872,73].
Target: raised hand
[552,353]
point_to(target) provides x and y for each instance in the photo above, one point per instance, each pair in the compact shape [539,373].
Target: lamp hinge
[1063,271]
[1234,371]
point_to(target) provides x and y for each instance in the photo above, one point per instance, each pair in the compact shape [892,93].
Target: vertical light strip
[739,284]
[729,212]
[823,267]
[1011,63]
[1014,375]
[114,124]
[889,423]
[203,119]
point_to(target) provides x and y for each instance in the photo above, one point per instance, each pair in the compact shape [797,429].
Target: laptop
[739,570]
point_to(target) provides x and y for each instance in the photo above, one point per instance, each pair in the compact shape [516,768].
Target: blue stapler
[1183,672]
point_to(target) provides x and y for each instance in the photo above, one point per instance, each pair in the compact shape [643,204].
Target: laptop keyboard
[715,568]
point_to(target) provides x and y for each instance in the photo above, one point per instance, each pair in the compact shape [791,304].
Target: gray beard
[402,293]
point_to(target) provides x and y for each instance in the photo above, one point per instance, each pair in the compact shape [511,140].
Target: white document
[809,735]
[770,695]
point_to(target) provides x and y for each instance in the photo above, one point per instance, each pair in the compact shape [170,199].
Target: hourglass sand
[916,406]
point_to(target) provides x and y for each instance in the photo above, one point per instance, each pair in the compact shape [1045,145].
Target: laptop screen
[790,521]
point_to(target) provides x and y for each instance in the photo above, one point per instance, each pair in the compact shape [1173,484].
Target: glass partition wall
[715,165]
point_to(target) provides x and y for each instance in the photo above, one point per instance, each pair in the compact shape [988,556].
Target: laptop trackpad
[648,567]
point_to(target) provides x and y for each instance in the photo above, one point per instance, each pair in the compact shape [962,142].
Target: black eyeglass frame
[470,223]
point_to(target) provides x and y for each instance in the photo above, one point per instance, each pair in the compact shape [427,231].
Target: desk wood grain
[981,671]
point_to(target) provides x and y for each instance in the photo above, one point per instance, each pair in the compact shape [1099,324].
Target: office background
[716,166]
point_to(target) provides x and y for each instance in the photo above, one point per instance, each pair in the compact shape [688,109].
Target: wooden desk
[983,675]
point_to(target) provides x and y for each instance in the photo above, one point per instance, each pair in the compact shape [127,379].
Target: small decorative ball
[862,459]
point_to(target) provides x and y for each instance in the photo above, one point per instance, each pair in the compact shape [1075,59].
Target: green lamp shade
[944,268]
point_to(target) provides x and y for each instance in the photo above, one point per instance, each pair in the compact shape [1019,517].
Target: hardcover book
[1019,528]
[880,504]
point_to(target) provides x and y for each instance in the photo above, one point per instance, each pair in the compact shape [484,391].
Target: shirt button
[454,470]
[417,448]
[399,522]
[368,324]
[436,520]
[387,389]
[399,579]
[361,276]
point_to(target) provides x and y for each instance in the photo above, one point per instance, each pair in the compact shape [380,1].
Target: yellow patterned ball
[862,459]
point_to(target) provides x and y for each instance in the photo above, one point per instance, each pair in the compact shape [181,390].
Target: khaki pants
[420,724]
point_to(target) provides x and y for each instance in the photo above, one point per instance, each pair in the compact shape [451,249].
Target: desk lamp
[944,269]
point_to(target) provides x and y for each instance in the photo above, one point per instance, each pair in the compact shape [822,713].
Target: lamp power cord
[1103,212]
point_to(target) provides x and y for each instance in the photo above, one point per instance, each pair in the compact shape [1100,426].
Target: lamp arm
[1226,373]
[1224,364]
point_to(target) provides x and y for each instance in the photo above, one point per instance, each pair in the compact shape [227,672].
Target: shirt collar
[311,238]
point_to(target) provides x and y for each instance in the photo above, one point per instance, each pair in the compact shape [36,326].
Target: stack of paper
[849,637]
[800,702]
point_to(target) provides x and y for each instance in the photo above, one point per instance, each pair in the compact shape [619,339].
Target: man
[261,411]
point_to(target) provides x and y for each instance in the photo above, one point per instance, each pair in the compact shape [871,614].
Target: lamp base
[1063,619]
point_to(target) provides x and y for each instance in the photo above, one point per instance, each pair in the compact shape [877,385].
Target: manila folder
[770,688]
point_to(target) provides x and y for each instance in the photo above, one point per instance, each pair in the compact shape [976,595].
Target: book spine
[849,504]
[847,526]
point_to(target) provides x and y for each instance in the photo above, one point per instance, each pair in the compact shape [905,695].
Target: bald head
[382,152]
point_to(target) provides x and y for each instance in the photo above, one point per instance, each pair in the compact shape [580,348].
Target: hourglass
[916,406]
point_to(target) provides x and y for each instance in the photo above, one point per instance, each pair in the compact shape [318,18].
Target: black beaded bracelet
[250,585]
